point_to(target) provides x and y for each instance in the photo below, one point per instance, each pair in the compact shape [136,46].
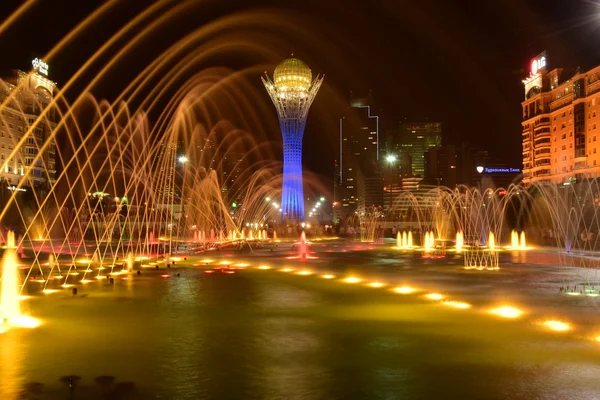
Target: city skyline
[492,70]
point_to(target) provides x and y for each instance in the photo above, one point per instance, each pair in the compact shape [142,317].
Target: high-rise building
[27,148]
[359,173]
[416,138]
[561,124]
[292,91]
[451,165]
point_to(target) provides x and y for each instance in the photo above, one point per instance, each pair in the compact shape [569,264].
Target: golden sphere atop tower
[292,75]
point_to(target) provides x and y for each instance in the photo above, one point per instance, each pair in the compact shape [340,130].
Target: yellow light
[434,296]
[404,290]
[241,265]
[328,276]
[101,277]
[305,272]
[286,269]
[25,321]
[376,284]
[67,285]
[507,312]
[557,326]
[48,291]
[457,304]
[597,338]
[23,297]
[264,267]
[225,262]
[352,279]
[83,261]
[85,281]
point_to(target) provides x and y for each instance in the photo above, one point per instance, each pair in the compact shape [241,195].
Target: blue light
[292,197]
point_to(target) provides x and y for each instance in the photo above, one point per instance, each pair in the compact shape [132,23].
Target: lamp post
[182,160]
[391,159]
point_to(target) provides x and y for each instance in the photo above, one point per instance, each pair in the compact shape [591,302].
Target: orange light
[557,326]
[457,304]
[404,290]
[507,312]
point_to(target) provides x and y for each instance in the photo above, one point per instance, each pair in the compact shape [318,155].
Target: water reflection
[12,352]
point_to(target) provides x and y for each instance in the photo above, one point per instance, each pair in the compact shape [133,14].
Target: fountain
[481,258]
[429,242]
[460,241]
[517,242]
[302,247]
[523,243]
[95,262]
[129,262]
[10,309]
[275,235]
[514,240]
[404,240]
[492,242]
[51,263]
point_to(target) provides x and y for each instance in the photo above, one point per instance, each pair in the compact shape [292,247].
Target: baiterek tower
[292,91]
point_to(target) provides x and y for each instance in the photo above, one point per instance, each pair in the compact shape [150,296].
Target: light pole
[391,159]
[183,160]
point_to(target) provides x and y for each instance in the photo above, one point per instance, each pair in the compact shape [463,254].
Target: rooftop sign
[539,63]
[40,66]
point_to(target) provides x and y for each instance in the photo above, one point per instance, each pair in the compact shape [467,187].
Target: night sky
[457,62]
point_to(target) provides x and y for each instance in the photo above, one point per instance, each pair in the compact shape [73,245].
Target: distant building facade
[560,124]
[359,180]
[27,149]
[415,139]
[452,165]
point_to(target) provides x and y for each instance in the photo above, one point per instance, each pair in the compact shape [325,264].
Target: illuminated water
[9,297]
[266,334]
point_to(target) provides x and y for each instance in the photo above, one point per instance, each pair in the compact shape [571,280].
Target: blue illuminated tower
[292,91]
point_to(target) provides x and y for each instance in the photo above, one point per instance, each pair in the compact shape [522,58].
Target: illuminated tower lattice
[292,91]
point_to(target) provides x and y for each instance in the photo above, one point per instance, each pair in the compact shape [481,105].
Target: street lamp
[182,159]
[391,159]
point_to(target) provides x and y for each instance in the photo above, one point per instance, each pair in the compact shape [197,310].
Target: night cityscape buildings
[415,139]
[561,118]
[358,179]
[292,91]
[27,119]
